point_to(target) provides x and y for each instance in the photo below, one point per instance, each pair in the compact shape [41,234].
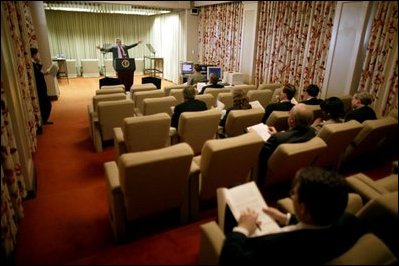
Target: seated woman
[240,101]
[333,112]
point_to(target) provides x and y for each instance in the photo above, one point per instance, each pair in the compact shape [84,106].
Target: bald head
[300,116]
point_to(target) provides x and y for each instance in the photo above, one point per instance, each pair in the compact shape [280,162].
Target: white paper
[248,196]
[219,105]
[261,129]
[256,104]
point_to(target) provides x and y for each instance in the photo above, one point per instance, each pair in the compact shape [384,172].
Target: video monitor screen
[217,70]
[187,68]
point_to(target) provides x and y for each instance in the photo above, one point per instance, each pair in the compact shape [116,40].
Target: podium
[125,68]
[124,64]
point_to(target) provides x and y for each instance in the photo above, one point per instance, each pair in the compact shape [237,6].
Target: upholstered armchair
[118,89]
[141,133]
[92,108]
[226,98]
[178,94]
[167,89]
[270,86]
[262,96]
[374,135]
[279,120]
[238,120]
[216,91]
[337,136]
[196,127]
[139,96]
[142,87]
[110,114]
[113,87]
[143,183]
[288,158]
[224,163]
[207,99]
[370,189]
[158,105]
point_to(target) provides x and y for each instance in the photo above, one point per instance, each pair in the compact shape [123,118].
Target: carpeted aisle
[67,222]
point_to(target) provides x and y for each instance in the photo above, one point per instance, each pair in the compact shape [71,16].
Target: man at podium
[123,66]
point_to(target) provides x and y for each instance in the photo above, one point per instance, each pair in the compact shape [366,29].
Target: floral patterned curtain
[20,28]
[220,35]
[293,42]
[382,57]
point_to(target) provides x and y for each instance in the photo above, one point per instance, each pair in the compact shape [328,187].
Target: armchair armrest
[211,243]
[194,189]
[174,137]
[365,186]
[116,202]
[119,142]
[355,203]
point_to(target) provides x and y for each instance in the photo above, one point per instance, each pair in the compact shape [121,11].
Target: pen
[257,225]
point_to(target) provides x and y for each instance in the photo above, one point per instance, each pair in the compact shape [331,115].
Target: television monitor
[214,69]
[187,68]
[203,68]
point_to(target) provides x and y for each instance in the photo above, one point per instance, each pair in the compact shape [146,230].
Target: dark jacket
[313,101]
[293,135]
[300,247]
[283,106]
[187,106]
[361,114]
[216,86]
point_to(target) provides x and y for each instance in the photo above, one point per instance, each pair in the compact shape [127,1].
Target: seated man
[190,104]
[196,76]
[299,121]
[361,110]
[310,95]
[284,104]
[213,80]
[333,112]
[320,231]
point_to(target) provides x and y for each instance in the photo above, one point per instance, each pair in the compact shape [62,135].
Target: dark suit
[125,76]
[41,86]
[186,106]
[282,106]
[216,86]
[293,135]
[299,247]
[312,101]
[361,114]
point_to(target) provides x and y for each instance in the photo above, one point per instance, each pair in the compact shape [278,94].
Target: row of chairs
[148,182]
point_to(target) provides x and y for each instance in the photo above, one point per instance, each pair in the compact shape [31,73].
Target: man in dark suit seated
[361,110]
[319,231]
[310,95]
[190,104]
[213,80]
[300,130]
[284,104]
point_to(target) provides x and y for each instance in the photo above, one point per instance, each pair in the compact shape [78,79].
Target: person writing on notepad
[319,231]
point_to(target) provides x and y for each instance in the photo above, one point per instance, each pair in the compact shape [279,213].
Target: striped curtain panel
[220,28]
[380,68]
[293,41]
